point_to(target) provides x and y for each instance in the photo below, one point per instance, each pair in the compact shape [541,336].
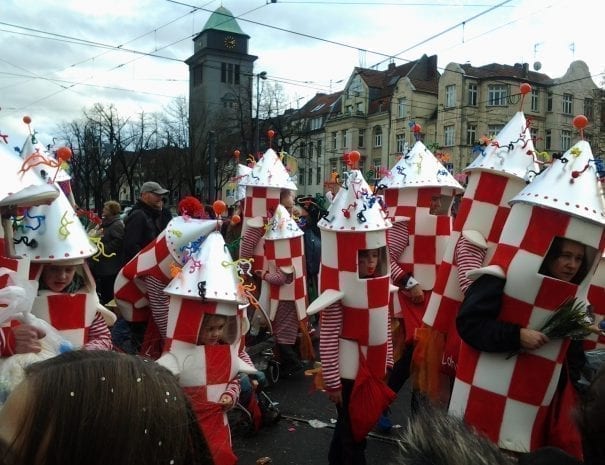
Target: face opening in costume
[567,260]
[212,330]
[440,204]
[371,263]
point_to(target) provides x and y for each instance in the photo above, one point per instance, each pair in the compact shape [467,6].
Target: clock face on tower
[230,42]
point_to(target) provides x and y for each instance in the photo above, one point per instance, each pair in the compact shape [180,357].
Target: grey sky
[50,74]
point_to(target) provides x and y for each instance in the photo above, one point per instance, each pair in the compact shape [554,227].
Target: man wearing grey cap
[146,220]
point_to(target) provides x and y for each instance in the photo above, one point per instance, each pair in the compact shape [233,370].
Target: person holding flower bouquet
[480,326]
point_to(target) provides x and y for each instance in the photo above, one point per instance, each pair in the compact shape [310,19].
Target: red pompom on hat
[190,206]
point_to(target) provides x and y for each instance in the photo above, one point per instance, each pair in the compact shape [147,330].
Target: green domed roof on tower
[222,20]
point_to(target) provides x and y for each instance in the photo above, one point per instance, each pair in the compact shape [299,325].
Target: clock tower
[220,77]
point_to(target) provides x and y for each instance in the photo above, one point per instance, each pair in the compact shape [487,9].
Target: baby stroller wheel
[272,371]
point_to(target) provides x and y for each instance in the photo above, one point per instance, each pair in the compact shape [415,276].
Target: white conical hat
[419,168]
[59,236]
[185,235]
[511,153]
[570,185]
[209,274]
[243,171]
[21,189]
[32,146]
[355,208]
[269,171]
[282,226]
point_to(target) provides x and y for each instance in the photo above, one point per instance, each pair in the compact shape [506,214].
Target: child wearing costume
[355,344]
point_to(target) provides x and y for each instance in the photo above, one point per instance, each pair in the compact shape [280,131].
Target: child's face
[212,330]
[58,277]
[368,262]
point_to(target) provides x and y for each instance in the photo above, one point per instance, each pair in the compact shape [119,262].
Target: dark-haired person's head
[100,408]
[565,260]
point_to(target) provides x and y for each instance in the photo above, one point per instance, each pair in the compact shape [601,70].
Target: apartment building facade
[378,110]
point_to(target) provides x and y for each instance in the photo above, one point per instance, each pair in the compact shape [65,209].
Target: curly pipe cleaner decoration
[192,247]
[36,159]
[100,249]
[360,216]
[201,290]
[577,173]
[175,270]
[63,230]
[195,265]
[346,212]
[33,243]
[4,137]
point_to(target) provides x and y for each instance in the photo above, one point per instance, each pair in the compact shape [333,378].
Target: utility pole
[211,167]
[262,75]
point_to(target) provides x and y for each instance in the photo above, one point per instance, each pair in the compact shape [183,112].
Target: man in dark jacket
[146,220]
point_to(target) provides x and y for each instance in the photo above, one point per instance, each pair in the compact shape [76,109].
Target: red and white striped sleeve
[233,390]
[249,240]
[330,326]
[99,337]
[398,238]
[467,256]
[390,359]
[159,302]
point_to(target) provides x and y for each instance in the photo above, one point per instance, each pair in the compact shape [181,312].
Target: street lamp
[262,75]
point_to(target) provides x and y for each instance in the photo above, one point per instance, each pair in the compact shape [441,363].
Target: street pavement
[302,436]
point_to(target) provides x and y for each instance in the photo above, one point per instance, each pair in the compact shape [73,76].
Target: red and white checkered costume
[421,254]
[365,312]
[207,284]
[282,253]
[206,372]
[508,398]
[596,298]
[156,260]
[74,315]
[483,210]
[261,202]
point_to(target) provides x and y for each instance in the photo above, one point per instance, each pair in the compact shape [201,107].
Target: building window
[450,96]
[400,143]
[567,104]
[318,175]
[548,139]
[359,107]
[344,139]
[533,134]
[588,108]
[198,74]
[316,123]
[376,168]
[333,165]
[301,172]
[496,95]
[471,134]
[230,73]
[377,136]
[448,136]
[473,94]
[565,140]
[361,138]
[334,141]
[310,150]
[303,149]
[549,102]
[318,148]
[310,176]
[535,106]
[401,110]
[494,129]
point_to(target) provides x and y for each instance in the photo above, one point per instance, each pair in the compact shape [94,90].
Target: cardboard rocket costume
[418,193]
[509,397]
[263,188]
[155,265]
[500,171]
[355,342]
[207,285]
[52,235]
